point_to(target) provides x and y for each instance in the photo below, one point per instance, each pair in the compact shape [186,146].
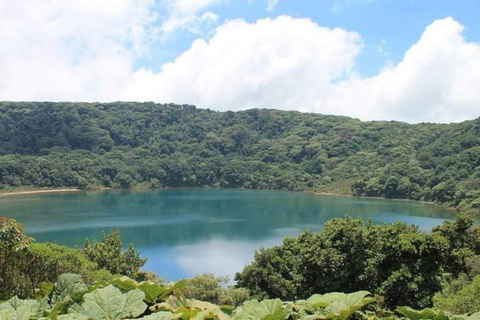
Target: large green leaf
[8,314]
[162,315]
[68,285]
[324,300]
[427,313]
[475,316]
[73,316]
[268,309]
[153,291]
[58,308]
[208,309]
[184,309]
[335,305]
[18,309]
[124,283]
[45,289]
[345,306]
[111,303]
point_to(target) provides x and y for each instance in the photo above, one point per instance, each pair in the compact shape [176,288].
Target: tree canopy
[398,262]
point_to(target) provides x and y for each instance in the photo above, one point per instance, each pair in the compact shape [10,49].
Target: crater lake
[184,232]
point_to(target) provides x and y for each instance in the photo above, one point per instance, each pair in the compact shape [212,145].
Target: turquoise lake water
[184,232]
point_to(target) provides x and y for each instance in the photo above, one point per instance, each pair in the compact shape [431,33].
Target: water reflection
[217,256]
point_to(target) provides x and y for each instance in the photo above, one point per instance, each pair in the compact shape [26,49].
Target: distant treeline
[123,144]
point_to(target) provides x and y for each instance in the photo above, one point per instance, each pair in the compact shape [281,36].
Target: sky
[404,60]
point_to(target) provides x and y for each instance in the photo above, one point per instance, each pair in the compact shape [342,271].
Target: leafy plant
[460,296]
[17,267]
[398,262]
[339,306]
[17,309]
[207,287]
[110,303]
[109,254]
[427,313]
[272,309]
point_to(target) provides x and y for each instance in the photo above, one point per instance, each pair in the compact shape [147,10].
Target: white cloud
[189,15]
[437,80]
[70,50]
[295,64]
[277,63]
[271,5]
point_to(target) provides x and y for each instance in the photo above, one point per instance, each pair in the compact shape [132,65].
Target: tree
[398,262]
[460,296]
[17,267]
[110,255]
[207,287]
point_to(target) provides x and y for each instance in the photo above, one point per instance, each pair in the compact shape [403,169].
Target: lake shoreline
[455,210]
[9,193]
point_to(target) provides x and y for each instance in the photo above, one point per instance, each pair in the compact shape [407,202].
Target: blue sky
[406,60]
[393,25]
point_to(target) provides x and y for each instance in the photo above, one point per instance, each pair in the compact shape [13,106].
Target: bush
[109,254]
[460,296]
[18,265]
[57,260]
[213,289]
[398,262]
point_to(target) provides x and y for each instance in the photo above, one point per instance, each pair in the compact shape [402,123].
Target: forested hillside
[92,145]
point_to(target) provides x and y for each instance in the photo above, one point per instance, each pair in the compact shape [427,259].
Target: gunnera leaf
[475,316]
[68,285]
[348,304]
[324,300]
[153,291]
[270,309]
[427,313]
[18,309]
[124,283]
[111,303]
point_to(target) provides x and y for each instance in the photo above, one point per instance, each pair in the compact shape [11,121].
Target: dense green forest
[321,275]
[398,262]
[124,145]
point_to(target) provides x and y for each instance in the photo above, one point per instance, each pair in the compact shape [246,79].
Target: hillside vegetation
[123,145]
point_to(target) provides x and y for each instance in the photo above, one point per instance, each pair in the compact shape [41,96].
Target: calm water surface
[184,232]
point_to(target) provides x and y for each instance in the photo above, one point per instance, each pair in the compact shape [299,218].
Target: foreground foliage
[109,254]
[398,262]
[213,289]
[124,298]
[17,267]
[25,264]
[123,145]
[460,296]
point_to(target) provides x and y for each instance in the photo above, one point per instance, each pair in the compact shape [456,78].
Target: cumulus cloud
[81,50]
[294,64]
[437,80]
[278,63]
[189,15]
[71,50]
